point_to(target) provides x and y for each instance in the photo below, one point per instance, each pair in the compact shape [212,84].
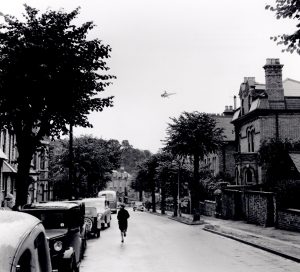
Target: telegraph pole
[71,161]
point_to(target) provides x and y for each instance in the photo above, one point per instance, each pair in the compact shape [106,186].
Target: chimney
[228,111]
[273,74]
[250,80]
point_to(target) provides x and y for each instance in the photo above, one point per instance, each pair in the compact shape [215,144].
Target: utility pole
[71,161]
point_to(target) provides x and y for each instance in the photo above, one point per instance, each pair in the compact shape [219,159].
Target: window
[237,176]
[42,160]
[249,176]
[250,139]
[4,141]
[249,102]
[242,106]
[24,264]
[41,247]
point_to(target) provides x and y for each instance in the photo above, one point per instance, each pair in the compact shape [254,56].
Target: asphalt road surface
[158,244]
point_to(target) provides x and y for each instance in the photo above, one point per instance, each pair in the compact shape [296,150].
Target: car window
[24,264]
[74,218]
[50,219]
[41,247]
[99,205]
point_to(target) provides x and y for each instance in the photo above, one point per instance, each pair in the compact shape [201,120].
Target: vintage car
[138,206]
[23,244]
[97,214]
[63,223]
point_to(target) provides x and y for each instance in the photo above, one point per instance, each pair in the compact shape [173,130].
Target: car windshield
[90,211]
[57,219]
[98,204]
[108,196]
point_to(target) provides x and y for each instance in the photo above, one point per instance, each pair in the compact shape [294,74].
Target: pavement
[280,242]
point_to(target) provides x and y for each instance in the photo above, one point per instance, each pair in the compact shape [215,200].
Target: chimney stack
[273,74]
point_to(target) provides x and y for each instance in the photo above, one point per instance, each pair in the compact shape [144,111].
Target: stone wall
[260,208]
[231,204]
[289,219]
[208,208]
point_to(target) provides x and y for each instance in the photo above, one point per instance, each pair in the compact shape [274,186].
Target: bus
[111,198]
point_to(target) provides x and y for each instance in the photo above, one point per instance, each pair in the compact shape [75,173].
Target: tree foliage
[282,177]
[193,135]
[131,157]
[94,161]
[288,9]
[50,76]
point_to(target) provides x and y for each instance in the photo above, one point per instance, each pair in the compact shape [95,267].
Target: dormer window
[242,107]
[250,139]
[249,102]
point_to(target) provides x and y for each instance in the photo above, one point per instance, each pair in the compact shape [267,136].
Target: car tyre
[73,267]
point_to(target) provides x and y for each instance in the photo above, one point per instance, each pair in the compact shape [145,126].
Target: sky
[200,50]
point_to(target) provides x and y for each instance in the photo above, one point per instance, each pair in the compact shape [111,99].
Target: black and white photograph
[149,136]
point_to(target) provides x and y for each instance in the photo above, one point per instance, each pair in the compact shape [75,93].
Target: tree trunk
[163,198]
[195,190]
[153,195]
[22,179]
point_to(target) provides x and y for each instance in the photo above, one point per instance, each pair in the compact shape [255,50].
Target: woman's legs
[122,236]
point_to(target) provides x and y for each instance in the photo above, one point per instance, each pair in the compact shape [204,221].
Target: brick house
[121,183]
[223,160]
[39,189]
[270,110]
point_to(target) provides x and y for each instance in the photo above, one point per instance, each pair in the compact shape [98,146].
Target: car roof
[52,205]
[92,199]
[14,227]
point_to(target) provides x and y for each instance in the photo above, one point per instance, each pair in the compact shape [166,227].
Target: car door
[32,254]
[74,232]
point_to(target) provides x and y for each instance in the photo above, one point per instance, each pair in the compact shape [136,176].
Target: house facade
[39,189]
[269,110]
[121,183]
[223,161]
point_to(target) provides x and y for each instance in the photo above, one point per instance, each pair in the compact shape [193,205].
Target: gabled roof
[291,87]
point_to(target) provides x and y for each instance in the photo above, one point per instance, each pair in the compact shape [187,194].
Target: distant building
[270,110]
[222,161]
[121,183]
[39,189]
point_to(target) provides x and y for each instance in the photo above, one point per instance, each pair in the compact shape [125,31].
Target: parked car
[97,214]
[63,223]
[23,243]
[138,206]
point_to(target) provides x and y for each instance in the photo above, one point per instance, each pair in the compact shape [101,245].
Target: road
[158,244]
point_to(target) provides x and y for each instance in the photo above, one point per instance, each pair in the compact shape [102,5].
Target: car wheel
[72,267]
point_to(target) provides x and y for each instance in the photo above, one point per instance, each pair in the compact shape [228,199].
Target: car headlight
[99,215]
[58,245]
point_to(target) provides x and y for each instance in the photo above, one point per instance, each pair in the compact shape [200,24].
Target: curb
[183,220]
[295,259]
[187,221]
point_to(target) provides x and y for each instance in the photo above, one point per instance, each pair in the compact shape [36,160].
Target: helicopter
[165,94]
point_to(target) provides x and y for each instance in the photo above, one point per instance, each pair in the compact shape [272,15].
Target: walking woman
[122,216]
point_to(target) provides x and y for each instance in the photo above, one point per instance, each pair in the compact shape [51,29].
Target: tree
[287,9]
[194,135]
[50,77]
[94,161]
[282,177]
[131,157]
